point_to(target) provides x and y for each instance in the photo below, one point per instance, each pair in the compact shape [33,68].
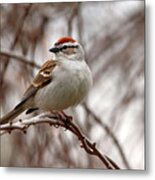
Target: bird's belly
[62,94]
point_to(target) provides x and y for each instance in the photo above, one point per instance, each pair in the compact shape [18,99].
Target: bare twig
[16,38]
[71,17]
[55,121]
[20,59]
[111,134]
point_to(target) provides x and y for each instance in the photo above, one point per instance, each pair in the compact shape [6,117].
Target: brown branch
[71,17]
[19,59]
[17,35]
[56,121]
[111,134]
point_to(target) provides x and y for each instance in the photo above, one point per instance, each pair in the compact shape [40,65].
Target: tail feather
[12,114]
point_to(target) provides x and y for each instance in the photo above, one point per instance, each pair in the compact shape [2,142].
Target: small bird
[61,83]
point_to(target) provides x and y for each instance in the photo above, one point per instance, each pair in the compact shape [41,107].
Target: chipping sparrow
[60,83]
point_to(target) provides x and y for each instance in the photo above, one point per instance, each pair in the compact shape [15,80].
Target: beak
[54,50]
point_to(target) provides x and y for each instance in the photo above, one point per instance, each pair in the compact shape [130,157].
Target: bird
[62,82]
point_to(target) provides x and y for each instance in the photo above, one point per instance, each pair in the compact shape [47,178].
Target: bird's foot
[64,117]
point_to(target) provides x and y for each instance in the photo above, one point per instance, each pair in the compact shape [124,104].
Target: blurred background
[112,34]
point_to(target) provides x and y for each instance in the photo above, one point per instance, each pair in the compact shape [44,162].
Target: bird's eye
[65,47]
[71,47]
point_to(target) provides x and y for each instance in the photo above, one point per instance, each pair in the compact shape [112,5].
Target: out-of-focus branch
[19,59]
[71,17]
[19,28]
[54,120]
[104,42]
[111,134]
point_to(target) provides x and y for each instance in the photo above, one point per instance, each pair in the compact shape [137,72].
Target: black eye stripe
[66,47]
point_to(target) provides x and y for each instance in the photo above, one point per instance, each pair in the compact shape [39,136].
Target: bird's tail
[12,114]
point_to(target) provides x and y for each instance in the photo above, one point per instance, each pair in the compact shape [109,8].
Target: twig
[71,17]
[16,38]
[111,134]
[55,121]
[19,59]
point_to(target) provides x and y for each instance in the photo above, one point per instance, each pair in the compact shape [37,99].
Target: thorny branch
[111,135]
[54,120]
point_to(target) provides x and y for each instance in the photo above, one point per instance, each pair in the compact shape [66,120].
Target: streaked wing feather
[43,77]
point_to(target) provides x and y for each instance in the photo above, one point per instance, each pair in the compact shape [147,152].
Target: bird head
[66,48]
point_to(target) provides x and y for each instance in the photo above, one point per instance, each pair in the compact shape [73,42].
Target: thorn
[56,126]
[81,146]
[20,120]
[24,131]
[50,124]
[10,123]
[94,144]
[65,129]
[81,138]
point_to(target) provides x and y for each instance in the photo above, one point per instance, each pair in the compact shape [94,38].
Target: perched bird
[60,83]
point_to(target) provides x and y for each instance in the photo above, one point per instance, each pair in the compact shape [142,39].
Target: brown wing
[45,74]
[43,77]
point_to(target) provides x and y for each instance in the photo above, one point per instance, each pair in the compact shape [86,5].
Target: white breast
[71,83]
